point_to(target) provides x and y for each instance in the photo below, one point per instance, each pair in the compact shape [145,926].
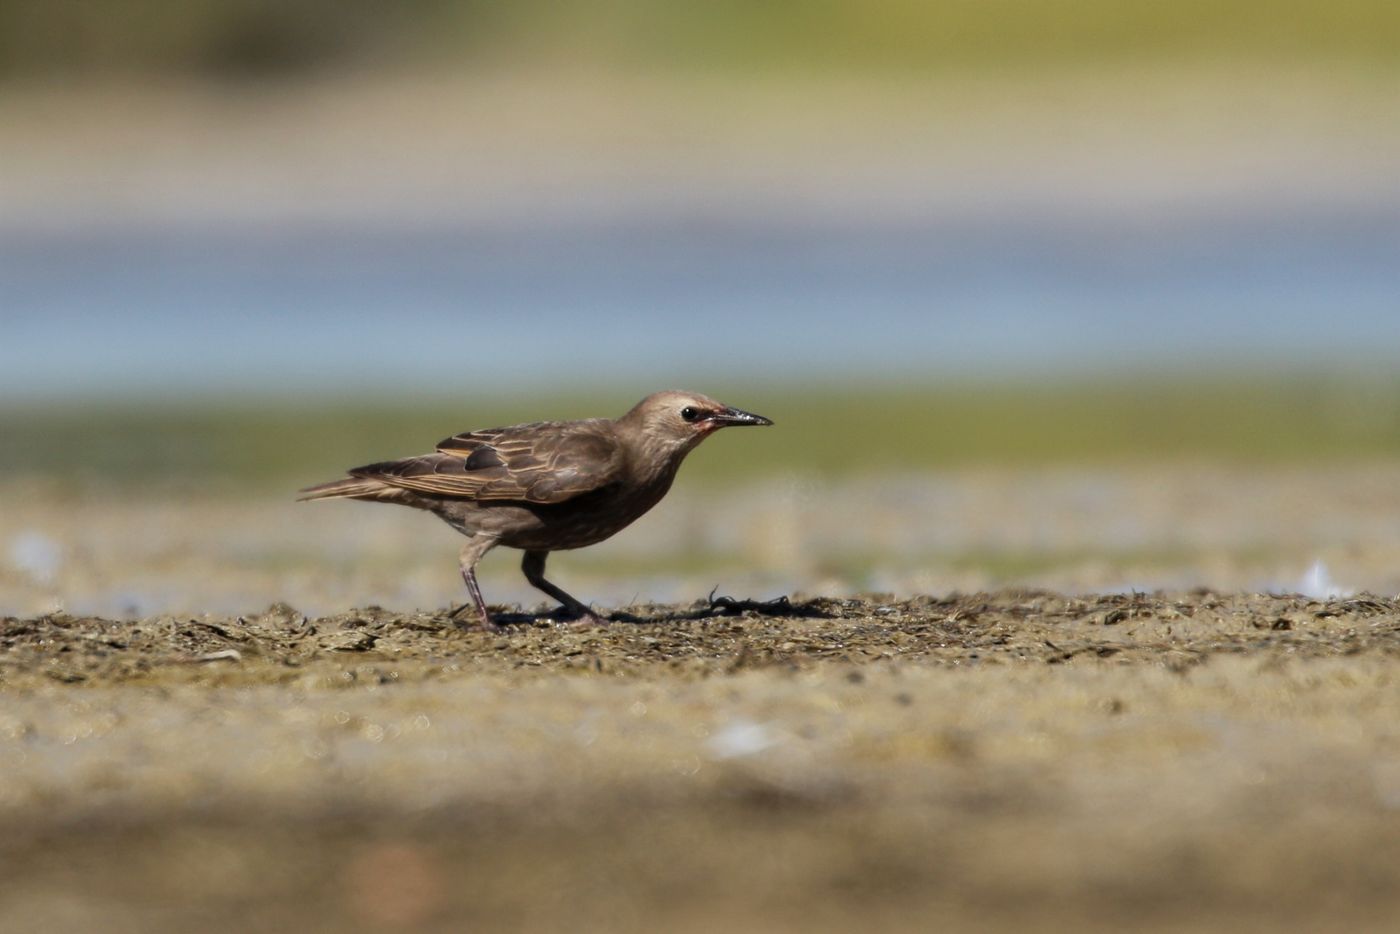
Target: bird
[545,486]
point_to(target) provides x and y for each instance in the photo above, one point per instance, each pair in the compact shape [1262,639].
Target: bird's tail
[348,488]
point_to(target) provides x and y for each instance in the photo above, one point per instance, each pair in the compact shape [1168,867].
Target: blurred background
[1071,293]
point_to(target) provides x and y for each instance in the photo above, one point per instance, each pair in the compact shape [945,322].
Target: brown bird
[546,486]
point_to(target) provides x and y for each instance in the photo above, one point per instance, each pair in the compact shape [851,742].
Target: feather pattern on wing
[542,462]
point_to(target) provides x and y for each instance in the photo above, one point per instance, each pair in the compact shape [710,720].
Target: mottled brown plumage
[546,486]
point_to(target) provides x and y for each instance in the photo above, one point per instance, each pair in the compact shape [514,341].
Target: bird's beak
[733,416]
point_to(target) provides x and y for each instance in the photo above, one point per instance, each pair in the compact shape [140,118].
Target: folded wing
[544,462]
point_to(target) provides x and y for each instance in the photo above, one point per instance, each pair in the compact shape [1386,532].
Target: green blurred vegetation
[242,37]
[824,432]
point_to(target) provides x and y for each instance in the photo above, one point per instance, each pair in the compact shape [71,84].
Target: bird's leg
[533,566]
[471,553]
[469,575]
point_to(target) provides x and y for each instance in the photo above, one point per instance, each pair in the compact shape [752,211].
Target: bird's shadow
[712,607]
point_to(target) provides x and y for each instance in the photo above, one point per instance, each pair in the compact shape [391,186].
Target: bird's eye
[690,413]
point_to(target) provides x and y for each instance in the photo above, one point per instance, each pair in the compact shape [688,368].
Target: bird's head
[676,421]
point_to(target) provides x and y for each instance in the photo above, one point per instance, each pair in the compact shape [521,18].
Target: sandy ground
[1185,761]
[1049,749]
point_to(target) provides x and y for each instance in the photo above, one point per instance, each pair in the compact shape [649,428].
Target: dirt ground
[1188,761]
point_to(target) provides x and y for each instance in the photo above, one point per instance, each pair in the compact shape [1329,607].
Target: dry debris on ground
[1192,761]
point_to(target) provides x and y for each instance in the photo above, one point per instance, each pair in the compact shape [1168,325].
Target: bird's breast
[586,519]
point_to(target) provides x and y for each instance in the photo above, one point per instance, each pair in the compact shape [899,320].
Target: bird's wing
[544,462]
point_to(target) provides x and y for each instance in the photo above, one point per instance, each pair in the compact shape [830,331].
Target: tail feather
[348,488]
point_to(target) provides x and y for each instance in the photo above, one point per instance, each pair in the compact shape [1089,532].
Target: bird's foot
[463,619]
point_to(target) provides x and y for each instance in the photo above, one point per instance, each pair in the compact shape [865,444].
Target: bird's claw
[467,623]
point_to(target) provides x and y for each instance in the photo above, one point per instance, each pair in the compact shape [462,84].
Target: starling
[546,486]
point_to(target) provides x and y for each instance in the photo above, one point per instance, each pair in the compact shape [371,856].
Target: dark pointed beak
[733,416]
